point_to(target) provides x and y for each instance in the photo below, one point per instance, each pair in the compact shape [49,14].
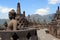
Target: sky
[41,7]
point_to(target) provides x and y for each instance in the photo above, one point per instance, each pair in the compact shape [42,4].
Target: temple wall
[29,34]
[58,32]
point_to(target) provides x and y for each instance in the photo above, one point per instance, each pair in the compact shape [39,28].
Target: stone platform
[23,34]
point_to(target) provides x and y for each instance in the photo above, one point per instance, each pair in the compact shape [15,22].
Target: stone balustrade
[26,34]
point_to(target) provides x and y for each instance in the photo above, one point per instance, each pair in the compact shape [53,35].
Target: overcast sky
[41,7]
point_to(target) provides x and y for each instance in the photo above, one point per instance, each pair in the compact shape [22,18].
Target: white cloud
[42,11]
[4,9]
[4,12]
[53,1]
[59,1]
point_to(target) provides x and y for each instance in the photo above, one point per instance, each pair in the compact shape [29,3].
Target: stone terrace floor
[42,35]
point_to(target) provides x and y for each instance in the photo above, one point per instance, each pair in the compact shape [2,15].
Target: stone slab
[25,34]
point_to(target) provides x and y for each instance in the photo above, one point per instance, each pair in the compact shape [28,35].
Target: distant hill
[3,20]
[37,17]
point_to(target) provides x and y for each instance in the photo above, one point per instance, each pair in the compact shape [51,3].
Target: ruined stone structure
[17,16]
[54,26]
[18,28]
[22,21]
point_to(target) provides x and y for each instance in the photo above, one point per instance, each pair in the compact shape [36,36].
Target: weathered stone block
[27,34]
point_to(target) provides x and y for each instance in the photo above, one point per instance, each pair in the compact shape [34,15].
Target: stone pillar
[18,8]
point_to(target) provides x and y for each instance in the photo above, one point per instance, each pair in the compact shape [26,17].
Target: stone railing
[26,34]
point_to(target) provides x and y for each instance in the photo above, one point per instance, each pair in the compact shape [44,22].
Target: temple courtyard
[42,35]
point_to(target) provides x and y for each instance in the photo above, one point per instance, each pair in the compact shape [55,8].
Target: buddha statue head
[12,14]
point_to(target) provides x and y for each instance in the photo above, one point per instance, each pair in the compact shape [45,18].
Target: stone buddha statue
[12,24]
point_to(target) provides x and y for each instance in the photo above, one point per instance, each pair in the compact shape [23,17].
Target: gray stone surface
[42,35]
[22,34]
